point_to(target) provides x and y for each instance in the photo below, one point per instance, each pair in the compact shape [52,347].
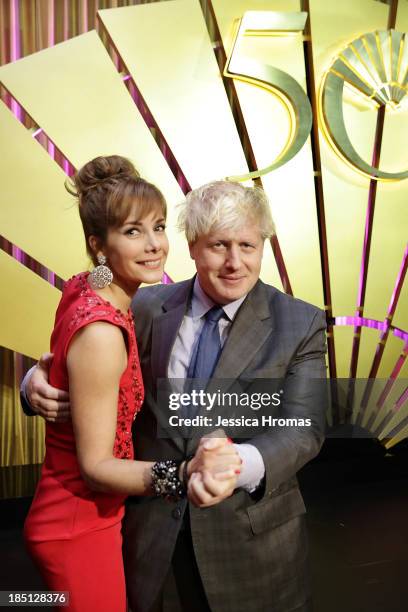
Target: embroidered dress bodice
[64,505]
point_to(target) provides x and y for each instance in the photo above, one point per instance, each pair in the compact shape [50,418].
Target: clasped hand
[213,471]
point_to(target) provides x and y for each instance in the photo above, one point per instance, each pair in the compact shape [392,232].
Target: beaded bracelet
[165,480]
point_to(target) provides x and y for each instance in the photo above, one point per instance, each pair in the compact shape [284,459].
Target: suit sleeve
[286,449]
[25,404]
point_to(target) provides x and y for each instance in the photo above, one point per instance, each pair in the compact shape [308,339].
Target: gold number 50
[272,79]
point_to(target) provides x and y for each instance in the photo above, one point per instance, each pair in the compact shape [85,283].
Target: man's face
[228,262]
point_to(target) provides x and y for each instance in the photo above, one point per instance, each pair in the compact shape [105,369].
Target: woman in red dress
[73,530]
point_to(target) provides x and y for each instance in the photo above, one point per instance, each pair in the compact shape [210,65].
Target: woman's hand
[214,455]
[213,471]
[205,490]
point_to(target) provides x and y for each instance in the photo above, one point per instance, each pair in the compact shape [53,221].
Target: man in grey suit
[224,552]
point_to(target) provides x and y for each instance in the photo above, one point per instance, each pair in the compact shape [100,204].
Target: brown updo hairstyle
[107,188]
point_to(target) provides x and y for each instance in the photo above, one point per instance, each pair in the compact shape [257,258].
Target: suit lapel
[250,329]
[252,326]
[164,332]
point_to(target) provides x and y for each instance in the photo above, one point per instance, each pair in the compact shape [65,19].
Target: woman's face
[137,250]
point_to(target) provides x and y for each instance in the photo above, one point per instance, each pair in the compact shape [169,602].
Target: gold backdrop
[150,83]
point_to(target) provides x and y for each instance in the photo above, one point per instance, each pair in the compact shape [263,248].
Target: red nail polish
[237,471]
[229,441]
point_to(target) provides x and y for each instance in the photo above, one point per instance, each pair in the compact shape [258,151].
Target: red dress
[74,533]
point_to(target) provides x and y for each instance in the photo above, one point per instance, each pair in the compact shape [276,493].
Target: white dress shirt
[253,468]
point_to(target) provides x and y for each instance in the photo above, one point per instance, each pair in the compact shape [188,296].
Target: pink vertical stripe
[66,20]
[84,20]
[15,40]
[51,23]
[15,54]
[15,49]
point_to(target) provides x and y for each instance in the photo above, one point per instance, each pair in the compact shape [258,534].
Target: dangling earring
[101,276]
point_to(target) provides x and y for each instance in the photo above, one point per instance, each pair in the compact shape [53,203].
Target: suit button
[176,513]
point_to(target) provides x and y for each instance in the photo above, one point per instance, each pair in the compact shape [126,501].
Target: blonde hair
[224,205]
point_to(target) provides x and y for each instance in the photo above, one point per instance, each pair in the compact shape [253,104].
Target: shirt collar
[201,303]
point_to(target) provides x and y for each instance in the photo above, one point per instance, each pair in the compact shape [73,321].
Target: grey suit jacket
[251,550]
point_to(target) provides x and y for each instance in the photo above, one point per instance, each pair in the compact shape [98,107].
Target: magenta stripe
[51,23]
[390,313]
[372,193]
[84,17]
[401,400]
[67,167]
[361,322]
[385,392]
[373,324]
[400,333]
[145,111]
[15,40]
[66,20]
[51,148]
[43,139]
[393,376]
[390,415]
[15,54]
[15,49]
[166,280]
[399,283]
[366,254]
[32,264]
[17,253]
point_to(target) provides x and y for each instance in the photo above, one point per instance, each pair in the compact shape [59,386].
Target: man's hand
[214,455]
[205,490]
[50,403]
[213,471]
